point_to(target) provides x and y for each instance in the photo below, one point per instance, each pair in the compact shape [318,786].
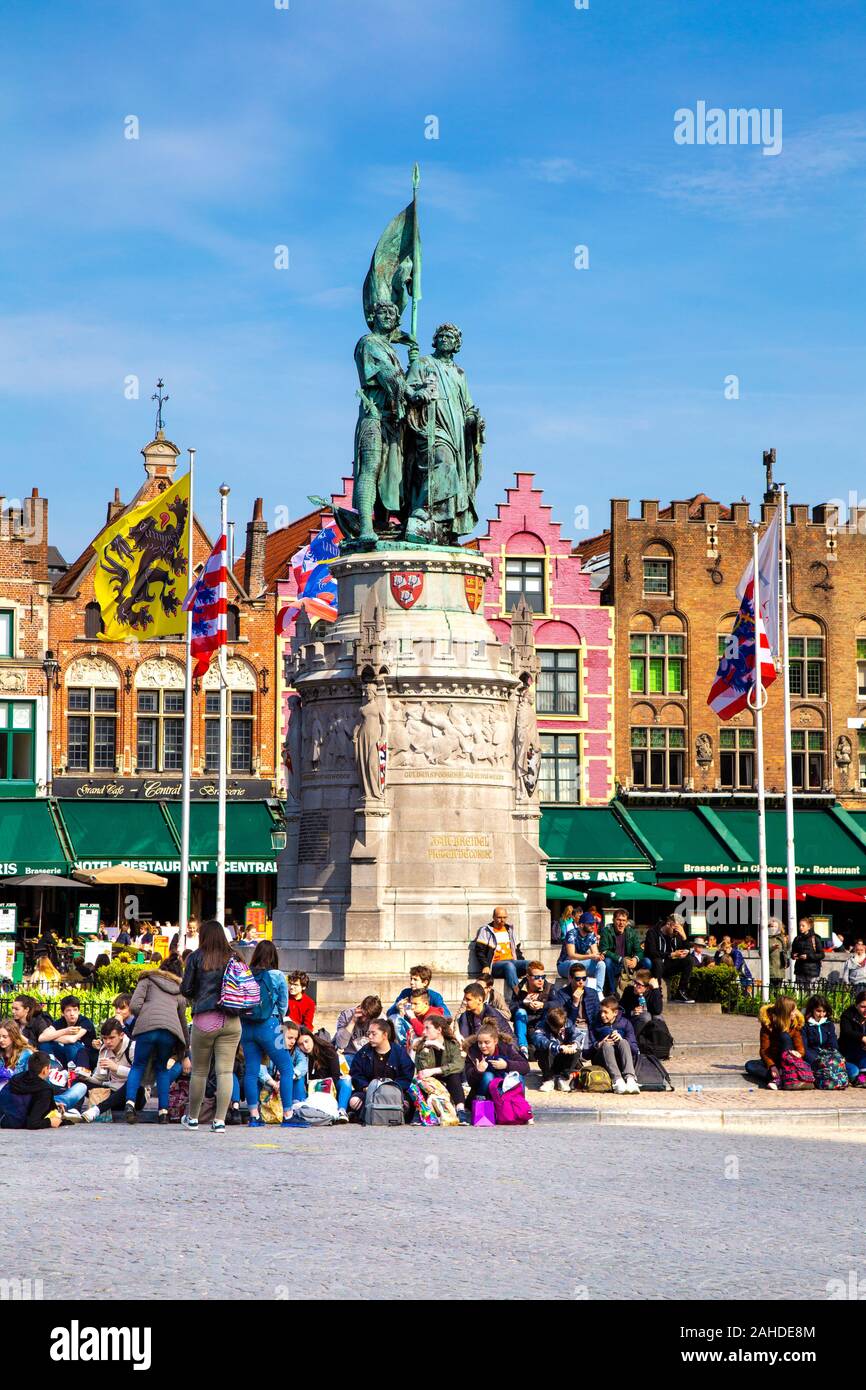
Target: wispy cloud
[736,181]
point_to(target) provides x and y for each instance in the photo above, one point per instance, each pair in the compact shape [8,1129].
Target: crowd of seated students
[229,1063]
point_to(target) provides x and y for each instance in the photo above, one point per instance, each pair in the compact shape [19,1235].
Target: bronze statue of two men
[418,439]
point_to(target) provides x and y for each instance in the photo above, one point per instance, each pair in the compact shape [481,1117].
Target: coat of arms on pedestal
[406,586]
[474,586]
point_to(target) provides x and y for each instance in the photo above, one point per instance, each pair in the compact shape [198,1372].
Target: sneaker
[218,1127]
[162,1117]
[88,1116]
[525,1050]
[631,1086]
[462,1117]
[343,1118]
[190,1124]
[772,1086]
[563,1083]
[547,1085]
[72,1117]
[294,1123]
[255,1122]
[680,998]
[619,1086]
[130,1115]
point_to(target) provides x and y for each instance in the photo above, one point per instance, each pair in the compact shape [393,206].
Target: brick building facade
[672,581]
[25,583]
[118,706]
[573,636]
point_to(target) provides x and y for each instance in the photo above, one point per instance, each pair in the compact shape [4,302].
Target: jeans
[616,1057]
[595,971]
[67,1053]
[158,1045]
[222,1047]
[562,1064]
[264,1038]
[510,971]
[72,1096]
[520,1019]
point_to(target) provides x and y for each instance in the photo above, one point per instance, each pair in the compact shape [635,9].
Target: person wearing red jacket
[302,1008]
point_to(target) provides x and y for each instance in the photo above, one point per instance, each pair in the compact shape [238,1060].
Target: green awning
[825,847]
[588,843]
[29,843]
[558,893]
[131,832]
[634,892]
[248,837]
[680,841]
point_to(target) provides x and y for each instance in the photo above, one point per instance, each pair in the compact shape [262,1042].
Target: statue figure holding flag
[379,470]
[418,438]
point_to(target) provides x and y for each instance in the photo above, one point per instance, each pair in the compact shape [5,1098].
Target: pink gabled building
[574,638]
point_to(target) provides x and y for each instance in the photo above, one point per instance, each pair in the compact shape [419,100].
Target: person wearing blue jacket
[419,980]
[819,1031]
[380,1059]
[558,1046]
[262,1031]
[581,1004]
[612,1043]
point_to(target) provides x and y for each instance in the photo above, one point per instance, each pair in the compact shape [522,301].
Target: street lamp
[279,836]
[51,666]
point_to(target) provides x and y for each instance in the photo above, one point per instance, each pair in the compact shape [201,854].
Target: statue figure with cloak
[384,391]
[447,433]
[418,438]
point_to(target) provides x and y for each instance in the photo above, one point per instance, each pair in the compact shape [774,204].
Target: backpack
[651,1074]
[267,998]
[178,1099]
[830,1071]
[240,989]
[383,1104]
[795,1073]
[655,1040]
[593,1079]
[509,1107]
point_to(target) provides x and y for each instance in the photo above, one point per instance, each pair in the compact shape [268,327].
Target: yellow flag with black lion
[141,568]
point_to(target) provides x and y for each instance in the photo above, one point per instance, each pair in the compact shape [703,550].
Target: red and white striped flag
[208,599]
[755,631]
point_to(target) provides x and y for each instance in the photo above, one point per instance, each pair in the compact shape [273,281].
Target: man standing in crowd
[621,948]
[667,950]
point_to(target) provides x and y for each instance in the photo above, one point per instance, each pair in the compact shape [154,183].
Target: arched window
[233,623]
[658,571]
[93,624]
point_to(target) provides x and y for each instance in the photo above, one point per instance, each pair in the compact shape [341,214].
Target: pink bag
[512,1108]
[483,1112]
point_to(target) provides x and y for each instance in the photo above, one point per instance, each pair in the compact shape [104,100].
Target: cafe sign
[158,789]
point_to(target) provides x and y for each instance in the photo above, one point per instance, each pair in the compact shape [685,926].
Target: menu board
[8,919]
[88,919]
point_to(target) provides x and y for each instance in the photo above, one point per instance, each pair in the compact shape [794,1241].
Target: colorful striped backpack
[240,989]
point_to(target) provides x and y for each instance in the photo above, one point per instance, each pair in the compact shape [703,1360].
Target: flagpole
[183,907]
[758,707]
[416,254]
[221,785]
[786,704]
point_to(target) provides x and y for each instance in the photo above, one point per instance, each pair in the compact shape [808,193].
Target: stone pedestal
[414,809]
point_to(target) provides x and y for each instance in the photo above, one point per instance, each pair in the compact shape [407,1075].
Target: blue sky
[261,127]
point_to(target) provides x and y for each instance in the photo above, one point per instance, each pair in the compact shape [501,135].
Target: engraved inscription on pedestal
[455,845]
[314,839]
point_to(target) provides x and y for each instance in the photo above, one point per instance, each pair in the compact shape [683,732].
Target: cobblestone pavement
[303,1214]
